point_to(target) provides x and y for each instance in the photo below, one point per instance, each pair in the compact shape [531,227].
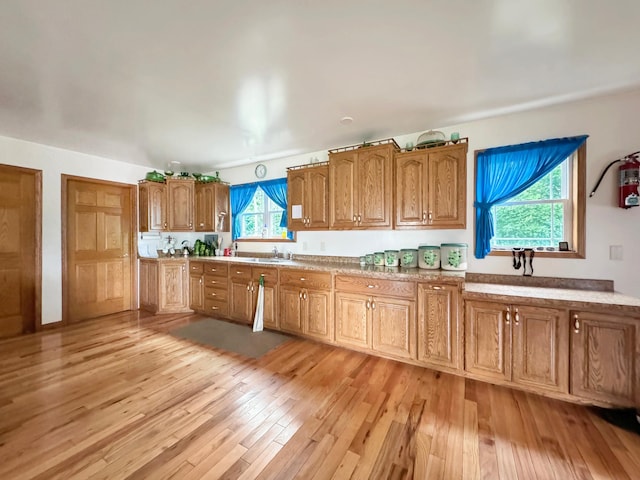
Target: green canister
[409,257]
[429,257]
[378,259]
[391,258]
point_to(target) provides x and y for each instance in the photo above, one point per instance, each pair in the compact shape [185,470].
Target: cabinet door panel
[196,292]
[318,314]
[204,205]
[438,325]
[374,187]
[181,193]
[296,183]
[240,302]
[317,197]
[487,341]
[447,188]
[269,316]
[222,215]
[393,324]
[540,347]
[352,320]
[173,287]
[290,309]
[411,187]
[343,197]
[604,349]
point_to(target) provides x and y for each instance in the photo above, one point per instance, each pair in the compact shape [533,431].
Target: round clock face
[261,171]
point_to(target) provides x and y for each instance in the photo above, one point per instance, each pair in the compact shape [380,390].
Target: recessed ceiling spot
[346,120]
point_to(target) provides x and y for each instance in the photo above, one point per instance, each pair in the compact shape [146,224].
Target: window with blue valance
[504,172]
[242,195]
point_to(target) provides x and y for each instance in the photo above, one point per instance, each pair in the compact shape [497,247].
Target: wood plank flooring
[117,397]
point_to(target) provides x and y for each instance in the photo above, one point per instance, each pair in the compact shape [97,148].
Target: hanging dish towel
[258,319]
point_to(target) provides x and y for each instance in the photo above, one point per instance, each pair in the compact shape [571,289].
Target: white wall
[53,162]
[612,125]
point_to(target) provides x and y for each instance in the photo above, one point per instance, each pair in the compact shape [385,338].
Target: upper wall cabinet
[152,207]
[431,188]
[360,187]
[212,207]
[308,197]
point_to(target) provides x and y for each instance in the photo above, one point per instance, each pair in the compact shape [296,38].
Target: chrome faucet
[275,251]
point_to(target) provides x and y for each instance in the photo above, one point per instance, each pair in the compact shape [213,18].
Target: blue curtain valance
[504,172]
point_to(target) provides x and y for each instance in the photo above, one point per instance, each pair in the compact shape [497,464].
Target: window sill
[269,240]
[539,254]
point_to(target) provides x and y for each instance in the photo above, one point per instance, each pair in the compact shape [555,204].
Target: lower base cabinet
[605,358]
[377,315]
[164,286]
[305,304]
[243,292]
[524,345]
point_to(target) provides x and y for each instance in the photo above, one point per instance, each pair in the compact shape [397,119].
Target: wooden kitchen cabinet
[360,187]
[308,197]
[196,286]
[520,344]
[430,189]
[164,286]
[305,303]
[180,199]
[439,332]
[216,289]
[152,208]
[243,291]
[605,353]
[376,314]
[211,207]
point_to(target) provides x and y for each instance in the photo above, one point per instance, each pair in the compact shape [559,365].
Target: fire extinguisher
[629,180]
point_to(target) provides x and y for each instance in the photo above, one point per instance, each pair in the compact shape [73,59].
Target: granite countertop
[391,273]
[612,301]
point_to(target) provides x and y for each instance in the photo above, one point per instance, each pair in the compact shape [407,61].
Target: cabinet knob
[508,317]
[435,287]
[373,305]
[355,219]
[368,304]
[430,217]
[214,308]
[304,295]
[359,218]
[202,224]
[302,279]
[371,286]
[300,294]
[248,288]
[576,323]
[516,318]
[424,217]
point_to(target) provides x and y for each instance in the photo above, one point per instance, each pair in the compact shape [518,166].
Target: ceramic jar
[391,258]
[378,259]
[429,257]
[453,256]
[409,257]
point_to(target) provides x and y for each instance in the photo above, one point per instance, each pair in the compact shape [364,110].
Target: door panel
[98,251]
[20,270]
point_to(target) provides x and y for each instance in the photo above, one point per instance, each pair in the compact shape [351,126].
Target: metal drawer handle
[371,286]
[576,324]
[508,317]
[517,318]
[373,305]
[214,308]
[368,304]
[302,279]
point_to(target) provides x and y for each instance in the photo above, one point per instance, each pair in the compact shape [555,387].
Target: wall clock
[261,171]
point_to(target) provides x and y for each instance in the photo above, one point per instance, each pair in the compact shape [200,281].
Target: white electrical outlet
[615,252]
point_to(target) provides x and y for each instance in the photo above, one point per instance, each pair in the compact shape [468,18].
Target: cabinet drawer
[196,267]
[375,286]
[270,275]
[240,272]
[218,282]
[305,278]
[213,293]
[217,269]
[216,307]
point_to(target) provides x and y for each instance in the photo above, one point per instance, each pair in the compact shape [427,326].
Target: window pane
[547,188]
[536,225]
[251,225]
[274,221]
[257,204]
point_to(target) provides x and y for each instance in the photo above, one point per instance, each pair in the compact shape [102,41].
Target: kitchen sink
[268,260]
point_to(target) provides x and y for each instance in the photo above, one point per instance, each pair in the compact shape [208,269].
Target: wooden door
[353,325]
[291,309]
[317,198]
[393,326]
[180,199]
[317,314]
[97,263]
[604,363]
[411,189]
[296,195]
[447,186]
[343,188]
[487,340]
[374,185]
[438,325]
[222,212]
[204,206]
[540,347]
[20,250]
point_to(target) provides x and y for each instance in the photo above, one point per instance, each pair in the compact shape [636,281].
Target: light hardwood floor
[117,397]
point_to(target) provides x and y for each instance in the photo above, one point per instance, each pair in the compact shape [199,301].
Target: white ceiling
[215,84]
